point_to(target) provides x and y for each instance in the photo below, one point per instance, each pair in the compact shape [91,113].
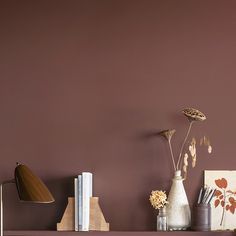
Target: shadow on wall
[62,189]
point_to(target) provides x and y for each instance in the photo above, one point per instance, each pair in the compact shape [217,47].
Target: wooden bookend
[68,219]
[97,221]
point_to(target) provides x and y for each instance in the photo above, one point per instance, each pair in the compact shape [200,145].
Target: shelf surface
[116,233]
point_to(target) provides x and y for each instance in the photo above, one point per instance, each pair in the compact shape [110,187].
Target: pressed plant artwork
[224,202]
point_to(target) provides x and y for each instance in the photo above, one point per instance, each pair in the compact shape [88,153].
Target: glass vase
[162,220]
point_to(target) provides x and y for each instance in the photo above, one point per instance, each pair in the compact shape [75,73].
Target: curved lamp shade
[30,187]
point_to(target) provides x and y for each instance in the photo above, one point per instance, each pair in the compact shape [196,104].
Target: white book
[80,201]
[76,204]
[86,194]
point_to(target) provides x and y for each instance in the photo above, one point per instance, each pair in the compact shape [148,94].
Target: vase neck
[177,175]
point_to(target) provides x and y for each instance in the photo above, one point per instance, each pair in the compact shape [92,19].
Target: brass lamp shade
[30,187]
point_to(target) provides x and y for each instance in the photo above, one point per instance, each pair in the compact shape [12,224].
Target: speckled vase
[178,210]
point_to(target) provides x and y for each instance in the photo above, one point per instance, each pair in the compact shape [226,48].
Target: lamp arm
[1,203]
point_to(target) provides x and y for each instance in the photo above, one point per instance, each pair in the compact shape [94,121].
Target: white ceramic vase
[178,210]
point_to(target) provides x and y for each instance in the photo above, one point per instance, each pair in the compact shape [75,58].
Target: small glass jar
[162,220]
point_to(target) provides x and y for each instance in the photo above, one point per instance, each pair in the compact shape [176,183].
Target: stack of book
[83,191]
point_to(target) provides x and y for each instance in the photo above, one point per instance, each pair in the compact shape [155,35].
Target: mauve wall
[84,85]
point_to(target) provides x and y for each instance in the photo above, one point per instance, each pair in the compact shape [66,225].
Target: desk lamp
[30,188]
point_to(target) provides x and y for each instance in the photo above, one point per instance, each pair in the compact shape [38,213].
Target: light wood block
[97,221]
[68,219]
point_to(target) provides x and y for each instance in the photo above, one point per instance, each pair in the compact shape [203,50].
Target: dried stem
[183,144]
[223,213]
[172,156]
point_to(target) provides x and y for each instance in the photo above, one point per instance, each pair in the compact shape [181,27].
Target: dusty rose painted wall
[84,85]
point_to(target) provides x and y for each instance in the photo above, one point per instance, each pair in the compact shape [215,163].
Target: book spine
[80,201]
[76,203]
[86,194]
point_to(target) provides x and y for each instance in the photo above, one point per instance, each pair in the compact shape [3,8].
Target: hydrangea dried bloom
[158,199]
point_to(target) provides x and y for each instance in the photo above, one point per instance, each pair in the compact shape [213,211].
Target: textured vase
[178,210]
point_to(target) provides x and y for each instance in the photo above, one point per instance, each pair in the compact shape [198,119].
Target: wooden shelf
[117,233]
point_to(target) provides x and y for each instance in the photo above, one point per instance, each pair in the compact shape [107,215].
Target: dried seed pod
[167,133]
[193,114]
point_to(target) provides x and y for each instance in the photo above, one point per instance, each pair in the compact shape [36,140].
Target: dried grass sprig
[206,142]
[185,166]
[193,151]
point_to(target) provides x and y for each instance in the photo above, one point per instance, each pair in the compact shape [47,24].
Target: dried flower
[194,114]
[201,141]
[186,159]
[206,142]
[167,133]
[193,151]
[209,149]
[182,162]
[158,199]
[185,166]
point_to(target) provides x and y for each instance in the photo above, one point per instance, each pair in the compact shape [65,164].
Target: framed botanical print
[223,205]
